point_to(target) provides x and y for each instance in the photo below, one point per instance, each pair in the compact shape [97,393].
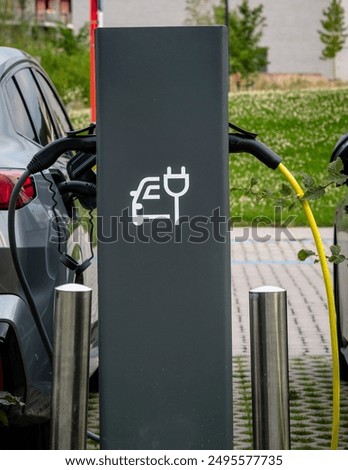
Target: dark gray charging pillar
[163,250]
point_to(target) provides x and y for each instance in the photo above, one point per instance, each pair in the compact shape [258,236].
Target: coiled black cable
[18,267]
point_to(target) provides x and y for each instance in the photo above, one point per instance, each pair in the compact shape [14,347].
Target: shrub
[63,54]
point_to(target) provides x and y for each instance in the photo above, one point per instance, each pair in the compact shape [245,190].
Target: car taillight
[8,179]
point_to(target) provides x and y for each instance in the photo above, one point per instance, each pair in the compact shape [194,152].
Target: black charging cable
[42,160]
[18,266]
[78,188]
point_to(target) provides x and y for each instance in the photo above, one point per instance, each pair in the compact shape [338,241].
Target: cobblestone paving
[93,419]
[257,262]
[310,404]
[274,262]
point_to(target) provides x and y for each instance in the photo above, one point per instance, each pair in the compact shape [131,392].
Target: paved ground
[255,263]
[274,262]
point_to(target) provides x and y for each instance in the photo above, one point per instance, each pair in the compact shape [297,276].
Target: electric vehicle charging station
[164,272]
[163,240]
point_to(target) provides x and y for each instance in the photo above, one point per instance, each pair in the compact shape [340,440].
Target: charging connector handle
[239,143]
[82,188]
[48,155]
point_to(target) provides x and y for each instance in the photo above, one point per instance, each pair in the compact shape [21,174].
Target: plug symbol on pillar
[150,188]
[178,194]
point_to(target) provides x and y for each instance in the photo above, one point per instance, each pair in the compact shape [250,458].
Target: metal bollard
[269,368]
[70,367]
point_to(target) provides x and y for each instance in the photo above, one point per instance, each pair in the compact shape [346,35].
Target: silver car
[50,233]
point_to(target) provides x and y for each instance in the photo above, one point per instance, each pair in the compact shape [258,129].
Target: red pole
[93,26]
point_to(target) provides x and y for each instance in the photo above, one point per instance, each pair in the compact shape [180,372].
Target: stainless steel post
[269,368]
[70,367]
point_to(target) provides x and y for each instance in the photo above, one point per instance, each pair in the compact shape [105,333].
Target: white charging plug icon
[177,194]
[149,188]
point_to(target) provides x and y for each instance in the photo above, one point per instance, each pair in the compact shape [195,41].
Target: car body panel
[38,228]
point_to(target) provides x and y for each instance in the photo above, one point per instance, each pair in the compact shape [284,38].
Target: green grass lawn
[302,127]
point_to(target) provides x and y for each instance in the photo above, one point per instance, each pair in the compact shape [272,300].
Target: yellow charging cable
[331,304]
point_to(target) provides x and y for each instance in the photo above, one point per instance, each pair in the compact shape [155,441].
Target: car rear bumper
[26,366]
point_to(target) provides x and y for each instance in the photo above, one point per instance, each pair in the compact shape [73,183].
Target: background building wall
[291,33]
[133,12]
[342,59]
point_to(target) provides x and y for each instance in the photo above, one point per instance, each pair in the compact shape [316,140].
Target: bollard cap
[73,288]
[266,289]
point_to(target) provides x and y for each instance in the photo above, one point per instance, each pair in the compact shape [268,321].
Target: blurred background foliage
[63,54]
